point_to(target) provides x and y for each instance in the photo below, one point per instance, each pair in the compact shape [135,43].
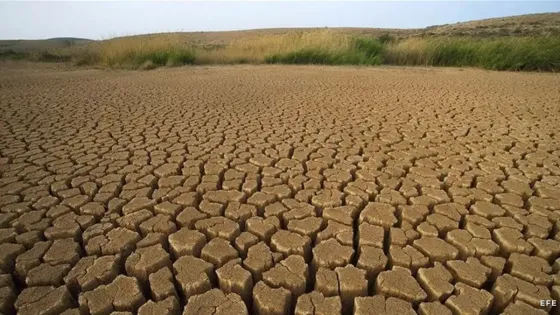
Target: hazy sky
[97,20]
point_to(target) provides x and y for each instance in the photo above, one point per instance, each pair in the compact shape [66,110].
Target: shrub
[86,57]
[304,56]
[50,57]
[136,59]
[386,38]
[369,47]
[177,58]
[148,65]
[13,55]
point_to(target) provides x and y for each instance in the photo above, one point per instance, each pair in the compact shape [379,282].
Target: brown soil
[278,190]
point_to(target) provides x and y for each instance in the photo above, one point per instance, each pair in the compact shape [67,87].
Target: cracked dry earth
[279,190]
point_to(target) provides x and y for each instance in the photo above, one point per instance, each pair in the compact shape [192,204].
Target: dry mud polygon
[278,190]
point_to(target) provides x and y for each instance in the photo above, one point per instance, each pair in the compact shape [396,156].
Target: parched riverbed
[278,190]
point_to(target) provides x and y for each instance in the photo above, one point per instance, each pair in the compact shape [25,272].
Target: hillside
[529,24]
[521,25]
[42,44]
[526,42]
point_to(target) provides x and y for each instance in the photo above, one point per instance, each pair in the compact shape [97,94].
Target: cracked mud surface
[279,190]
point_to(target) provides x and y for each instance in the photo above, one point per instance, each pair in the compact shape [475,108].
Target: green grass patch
[502,53]
[304,56]
[363,51]
[13,55]
[140,59]
[50,57]
[508,53]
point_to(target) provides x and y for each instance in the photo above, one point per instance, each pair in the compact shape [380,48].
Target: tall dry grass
[507,53]
[320,47]
[256,49]
[135,52]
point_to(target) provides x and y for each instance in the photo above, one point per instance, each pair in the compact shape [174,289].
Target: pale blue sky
[97,20]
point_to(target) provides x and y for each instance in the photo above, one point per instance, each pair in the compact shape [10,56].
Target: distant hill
[520,25]
[41,44]
[74,39]
[529,24]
